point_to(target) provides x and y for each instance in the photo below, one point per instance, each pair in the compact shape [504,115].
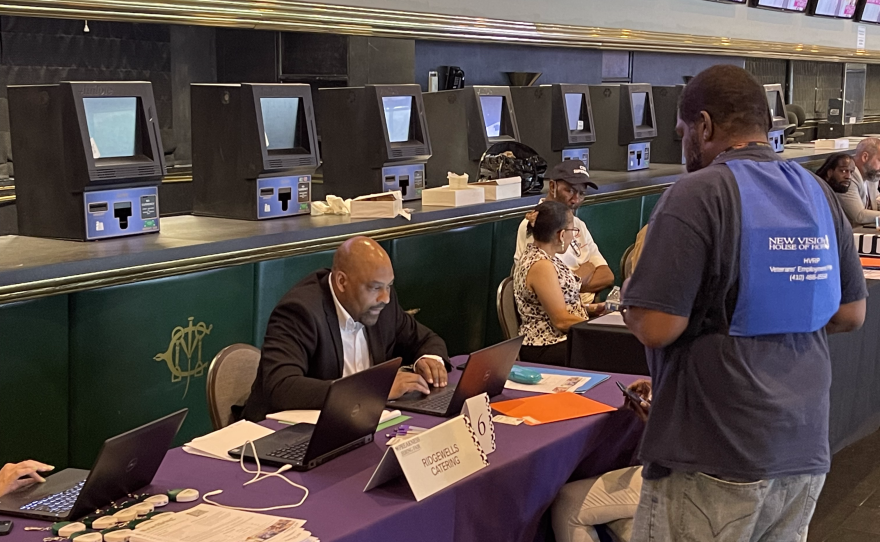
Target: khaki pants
[610,499]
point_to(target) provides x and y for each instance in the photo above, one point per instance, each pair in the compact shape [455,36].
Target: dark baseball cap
[572,172]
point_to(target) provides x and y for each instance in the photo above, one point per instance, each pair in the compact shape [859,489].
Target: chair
[230,376]
[508,316]
[625,270]
[797,117]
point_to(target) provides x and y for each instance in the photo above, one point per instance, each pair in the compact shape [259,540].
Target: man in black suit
[336,322]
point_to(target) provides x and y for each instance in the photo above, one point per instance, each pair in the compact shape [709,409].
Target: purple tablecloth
[505,501]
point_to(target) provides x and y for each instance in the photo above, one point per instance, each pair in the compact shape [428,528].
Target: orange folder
[870,261]
[551,407]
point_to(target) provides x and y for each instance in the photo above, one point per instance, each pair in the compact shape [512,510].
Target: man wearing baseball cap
[568,185]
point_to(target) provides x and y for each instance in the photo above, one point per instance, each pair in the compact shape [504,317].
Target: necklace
[741,146]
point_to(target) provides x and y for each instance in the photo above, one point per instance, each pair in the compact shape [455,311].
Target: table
[505,501]
[855,368]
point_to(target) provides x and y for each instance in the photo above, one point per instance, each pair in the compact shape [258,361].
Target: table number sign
[432,460]
[479,412]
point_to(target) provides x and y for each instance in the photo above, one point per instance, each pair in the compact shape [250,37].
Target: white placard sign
[432,460]
[479,412]
[861,35]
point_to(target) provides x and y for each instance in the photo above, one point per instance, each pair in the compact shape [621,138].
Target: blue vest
[789,276]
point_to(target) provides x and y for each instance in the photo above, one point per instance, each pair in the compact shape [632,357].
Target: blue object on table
[595,378]
[522,375]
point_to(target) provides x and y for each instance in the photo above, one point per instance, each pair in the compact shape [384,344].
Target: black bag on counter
[512,159]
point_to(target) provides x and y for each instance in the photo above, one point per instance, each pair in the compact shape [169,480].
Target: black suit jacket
[302,351]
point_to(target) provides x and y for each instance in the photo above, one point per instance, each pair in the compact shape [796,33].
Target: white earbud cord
[259,475]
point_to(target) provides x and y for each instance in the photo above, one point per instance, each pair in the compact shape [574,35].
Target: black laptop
[348,420]
[486,371]
[125,464]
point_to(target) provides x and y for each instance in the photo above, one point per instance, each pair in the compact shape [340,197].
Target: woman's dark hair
[831,163]
[552,216]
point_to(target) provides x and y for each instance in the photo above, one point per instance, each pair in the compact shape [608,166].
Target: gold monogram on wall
[187,340]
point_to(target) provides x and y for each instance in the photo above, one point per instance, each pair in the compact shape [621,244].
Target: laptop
[348,420]
[486,371]
[125,464]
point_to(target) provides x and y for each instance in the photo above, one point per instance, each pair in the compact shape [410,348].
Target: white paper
[205,523]
[873,274]
[550,383]
[311,416]
[218,443]
[611,319]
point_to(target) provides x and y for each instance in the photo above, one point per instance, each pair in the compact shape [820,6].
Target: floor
[849,506]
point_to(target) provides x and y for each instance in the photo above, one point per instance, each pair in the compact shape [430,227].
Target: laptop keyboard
[293,453]
[438,401]
[57,503]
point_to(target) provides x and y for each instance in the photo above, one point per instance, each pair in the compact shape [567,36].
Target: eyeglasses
[575,230]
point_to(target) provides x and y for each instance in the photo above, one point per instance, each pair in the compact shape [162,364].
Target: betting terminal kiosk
[465,123]
[666,147]
[374,139]
[625,126]
[89,159]
[779,116]
[255,150]
[556,121]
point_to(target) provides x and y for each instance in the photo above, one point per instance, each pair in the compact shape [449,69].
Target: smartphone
[633,396]
[5,527]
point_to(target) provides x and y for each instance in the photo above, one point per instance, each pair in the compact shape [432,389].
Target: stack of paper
[311,416]
[205,523]
[550,383]
[217,444]
[551,407]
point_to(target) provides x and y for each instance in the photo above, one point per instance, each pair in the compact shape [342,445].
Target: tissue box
[509,188]
[387,205]
[832,144]
[446,196]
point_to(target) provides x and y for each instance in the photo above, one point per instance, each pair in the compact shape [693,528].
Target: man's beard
[872,175]
[839,187]
[693,154]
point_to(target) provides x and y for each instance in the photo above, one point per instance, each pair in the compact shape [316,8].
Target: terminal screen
[641,110]
[112,125]
[774,102]
[574,108]
[790,5]
[844,9]
[871,13]
[279,122]
[492,106]
[398,117]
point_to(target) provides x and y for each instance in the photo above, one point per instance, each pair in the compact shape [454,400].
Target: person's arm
[854,206]
[543,281]
[652,328]
[853,290]
[15,476]
[593,278]
[288,348]
[849,317]
[521,242]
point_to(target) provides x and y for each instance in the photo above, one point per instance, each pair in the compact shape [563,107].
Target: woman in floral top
[547,292]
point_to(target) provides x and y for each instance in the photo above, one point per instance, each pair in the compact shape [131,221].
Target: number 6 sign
[479,412]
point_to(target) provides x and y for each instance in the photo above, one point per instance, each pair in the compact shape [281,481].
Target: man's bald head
[867,159]
[362,278]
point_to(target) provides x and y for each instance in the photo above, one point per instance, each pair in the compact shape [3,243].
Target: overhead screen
[280,122]
[492,107]
[788,5]
[575,108]
[641,110]
[843,9]
[871,12]
[112,125]
[398,117]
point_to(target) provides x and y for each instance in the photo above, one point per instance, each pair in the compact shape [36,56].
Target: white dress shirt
[355,353]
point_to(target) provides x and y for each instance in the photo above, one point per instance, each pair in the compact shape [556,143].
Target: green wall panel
[34,375]
[648,204]
[275,277]
[503,249]
[446,276]
[127,343]
[614,226]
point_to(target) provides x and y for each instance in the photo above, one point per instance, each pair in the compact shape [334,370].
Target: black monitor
[464,124]
[868,11]
[374,139]
[625,124]
[75,137]
[666,147]
[777,106]
[836,9]
[637,114]
[799,6]
[555,120]
[254,149]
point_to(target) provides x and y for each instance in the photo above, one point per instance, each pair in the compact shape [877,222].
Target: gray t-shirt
[741,408]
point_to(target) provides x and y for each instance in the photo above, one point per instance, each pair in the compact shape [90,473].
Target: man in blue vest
[748,264]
